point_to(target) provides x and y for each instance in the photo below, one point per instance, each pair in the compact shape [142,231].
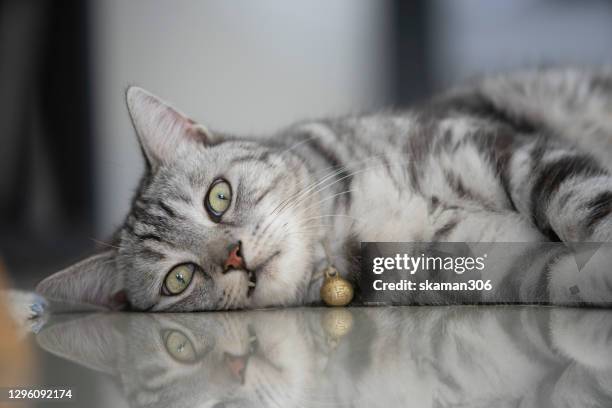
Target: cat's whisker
[317,180]
[347,176]
[307,189]
[338,170]
[305,193]
[106,244]
[307,227]
[311,193]
[301,142]
[312,229]
[311,225]
[325,177]
[329,198]
[303,235]
[332,216]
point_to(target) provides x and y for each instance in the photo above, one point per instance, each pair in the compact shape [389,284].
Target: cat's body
[516,158]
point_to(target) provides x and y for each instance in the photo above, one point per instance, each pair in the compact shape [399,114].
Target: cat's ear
[94,341]
[94,281]
[161,128]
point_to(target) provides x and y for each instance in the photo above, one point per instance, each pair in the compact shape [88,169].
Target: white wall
[242,66]
[474,37]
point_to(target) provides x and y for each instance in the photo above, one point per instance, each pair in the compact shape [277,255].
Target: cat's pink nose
[234,260]
[236,366]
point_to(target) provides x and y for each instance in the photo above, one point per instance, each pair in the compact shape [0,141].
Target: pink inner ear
[119,300]
[196,132]
[160,127]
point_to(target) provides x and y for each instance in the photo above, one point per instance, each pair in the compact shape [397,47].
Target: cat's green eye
[178,279]
[179,346]
[218,198]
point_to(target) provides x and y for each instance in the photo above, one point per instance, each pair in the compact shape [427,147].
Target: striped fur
[517,158]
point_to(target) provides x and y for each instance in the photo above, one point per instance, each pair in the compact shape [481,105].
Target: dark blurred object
[45,136]
[411,75]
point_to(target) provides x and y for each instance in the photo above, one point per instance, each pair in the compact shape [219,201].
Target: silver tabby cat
[224,222]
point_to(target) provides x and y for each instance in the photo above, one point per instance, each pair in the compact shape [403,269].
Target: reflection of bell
[337,322]
[336,291]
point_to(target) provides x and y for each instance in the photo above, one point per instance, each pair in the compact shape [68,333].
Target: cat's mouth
[237,363]
[257,270]
[252,277]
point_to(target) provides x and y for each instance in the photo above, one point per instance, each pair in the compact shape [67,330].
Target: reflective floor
[317,357]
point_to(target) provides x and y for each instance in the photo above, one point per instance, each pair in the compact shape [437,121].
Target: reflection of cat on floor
[375,357]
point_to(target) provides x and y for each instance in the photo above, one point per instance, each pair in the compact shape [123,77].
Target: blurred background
[69,159]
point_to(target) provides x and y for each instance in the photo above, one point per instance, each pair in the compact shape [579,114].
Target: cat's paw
[27,309]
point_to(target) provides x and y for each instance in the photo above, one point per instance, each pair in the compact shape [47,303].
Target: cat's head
[209,227]
[261,358]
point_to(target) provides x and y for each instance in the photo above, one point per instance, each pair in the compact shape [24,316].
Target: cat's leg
[562,190]
[568,195]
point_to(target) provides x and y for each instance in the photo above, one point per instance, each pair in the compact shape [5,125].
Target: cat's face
[261,359]
[179,225]
[213,225]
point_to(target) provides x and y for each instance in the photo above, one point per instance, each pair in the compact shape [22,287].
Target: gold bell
[336,291]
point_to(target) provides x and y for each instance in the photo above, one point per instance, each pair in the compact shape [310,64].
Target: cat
[381,357]
[225,222]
